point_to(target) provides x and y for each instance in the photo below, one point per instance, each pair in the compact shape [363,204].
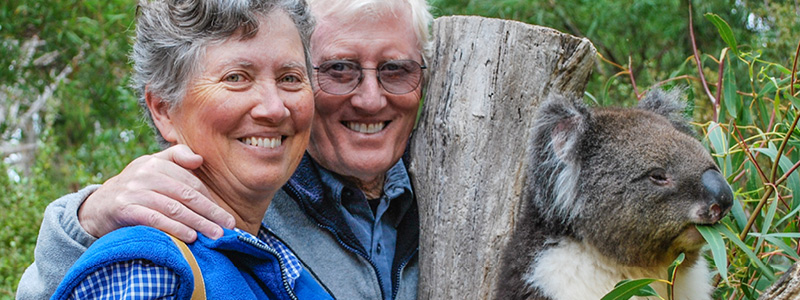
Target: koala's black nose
[719,194]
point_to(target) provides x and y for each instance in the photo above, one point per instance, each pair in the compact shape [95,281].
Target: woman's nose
[270,106]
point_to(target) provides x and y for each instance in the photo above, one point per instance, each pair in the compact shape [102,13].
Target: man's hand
[159,191]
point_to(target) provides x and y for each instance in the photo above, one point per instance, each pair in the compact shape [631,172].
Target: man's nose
[369,96]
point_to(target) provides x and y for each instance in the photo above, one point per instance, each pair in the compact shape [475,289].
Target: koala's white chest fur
[574,270]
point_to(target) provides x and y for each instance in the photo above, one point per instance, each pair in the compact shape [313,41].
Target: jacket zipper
[396,287]
[286,285]
[351,249]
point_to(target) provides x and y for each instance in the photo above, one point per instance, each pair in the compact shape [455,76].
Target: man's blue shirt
[376,231]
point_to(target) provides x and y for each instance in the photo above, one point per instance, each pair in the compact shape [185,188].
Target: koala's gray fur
[614,194]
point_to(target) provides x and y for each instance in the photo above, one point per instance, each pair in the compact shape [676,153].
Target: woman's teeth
[366,128]
[262,142]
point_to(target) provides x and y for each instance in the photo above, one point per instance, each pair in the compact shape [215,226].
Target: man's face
[363,133]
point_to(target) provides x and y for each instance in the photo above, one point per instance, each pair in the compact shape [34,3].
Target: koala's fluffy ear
[562,121]
[669,104]
[560,127]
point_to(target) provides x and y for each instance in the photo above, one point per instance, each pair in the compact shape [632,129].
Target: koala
[613,194]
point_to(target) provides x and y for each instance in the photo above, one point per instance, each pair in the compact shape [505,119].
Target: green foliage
[756,147]
[87,131]
[739,69]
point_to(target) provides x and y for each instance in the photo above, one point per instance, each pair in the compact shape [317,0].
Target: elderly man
[348,212]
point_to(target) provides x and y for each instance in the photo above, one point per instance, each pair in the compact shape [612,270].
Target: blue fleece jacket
[231,265]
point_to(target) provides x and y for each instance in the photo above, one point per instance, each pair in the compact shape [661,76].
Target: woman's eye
[234,77]
[290,79]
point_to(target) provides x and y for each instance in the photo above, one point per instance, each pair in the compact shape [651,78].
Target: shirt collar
[397,183]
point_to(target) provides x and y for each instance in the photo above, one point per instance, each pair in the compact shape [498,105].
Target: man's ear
[162,116]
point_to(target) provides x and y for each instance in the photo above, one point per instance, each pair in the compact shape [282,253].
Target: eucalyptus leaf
[628,288]
[767,271]
[724,31]
[717,245]
[732,103]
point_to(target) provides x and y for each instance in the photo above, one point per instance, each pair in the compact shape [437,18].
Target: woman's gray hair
[172,35]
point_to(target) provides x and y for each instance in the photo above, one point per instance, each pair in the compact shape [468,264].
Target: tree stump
[786,288]
[469,153]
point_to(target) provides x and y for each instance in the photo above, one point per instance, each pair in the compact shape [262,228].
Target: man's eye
[390,67]
[339,66]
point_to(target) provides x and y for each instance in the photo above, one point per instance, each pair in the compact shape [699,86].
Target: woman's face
[248,112]
[363,133]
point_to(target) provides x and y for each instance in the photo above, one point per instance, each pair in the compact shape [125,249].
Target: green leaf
[783,246]
[766,271]
[732,103]
[768,88]
[795,101]
[719,143]
[714,239]
[738,214]
[793,182]
[789,216]
[768,220]
[628,288]
[724,31]
[677,262]
[671,273]
[793,235]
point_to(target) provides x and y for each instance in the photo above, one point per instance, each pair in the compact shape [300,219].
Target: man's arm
[61,241]
[156,190]
[159,191]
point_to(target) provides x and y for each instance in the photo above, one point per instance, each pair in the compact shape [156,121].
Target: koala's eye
[659,176]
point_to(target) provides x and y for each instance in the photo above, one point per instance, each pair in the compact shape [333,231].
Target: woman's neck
[247,210]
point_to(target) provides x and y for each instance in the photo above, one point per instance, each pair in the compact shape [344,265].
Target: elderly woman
[348,212]
[230,80]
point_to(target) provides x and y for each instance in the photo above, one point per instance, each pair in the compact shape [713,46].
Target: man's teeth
[365,128]
[263,142]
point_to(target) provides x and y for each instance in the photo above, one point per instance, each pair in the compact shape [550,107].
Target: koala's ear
[669,104]
[561,123]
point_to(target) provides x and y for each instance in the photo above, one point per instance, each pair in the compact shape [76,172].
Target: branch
[700,64]
[794,69]
[9,149]
[633,79]
[721,69]
[42,98]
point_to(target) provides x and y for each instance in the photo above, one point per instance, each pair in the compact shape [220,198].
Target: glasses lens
[338,77]
[400,76]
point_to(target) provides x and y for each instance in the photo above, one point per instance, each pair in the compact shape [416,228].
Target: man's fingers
[184,203]
[152,218]
[181,155]
[160,172]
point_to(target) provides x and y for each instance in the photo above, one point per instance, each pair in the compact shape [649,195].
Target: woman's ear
[162,116]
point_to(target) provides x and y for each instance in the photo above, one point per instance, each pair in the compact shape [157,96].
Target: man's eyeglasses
[340,77]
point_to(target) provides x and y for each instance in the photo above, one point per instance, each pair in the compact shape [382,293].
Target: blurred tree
[650,34]
[66,117]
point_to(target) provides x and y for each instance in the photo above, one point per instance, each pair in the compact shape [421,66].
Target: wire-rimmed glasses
[340,77]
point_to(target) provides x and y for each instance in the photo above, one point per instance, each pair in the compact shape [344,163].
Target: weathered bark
[786,288]
[469,152]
